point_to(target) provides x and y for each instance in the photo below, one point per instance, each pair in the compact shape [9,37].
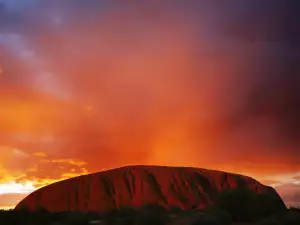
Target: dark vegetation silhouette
[235,206]
[245,205]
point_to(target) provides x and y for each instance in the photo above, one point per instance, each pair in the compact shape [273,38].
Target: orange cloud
[39,154]
[296,178]
[69,161]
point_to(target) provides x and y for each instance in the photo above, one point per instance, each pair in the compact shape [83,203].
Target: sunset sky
[91,85]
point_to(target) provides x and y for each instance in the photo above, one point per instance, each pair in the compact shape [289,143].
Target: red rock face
[134,186]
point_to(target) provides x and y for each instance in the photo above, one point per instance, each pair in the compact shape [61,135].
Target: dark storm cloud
[265,21]
[274,100]
[279,102]
[8,19]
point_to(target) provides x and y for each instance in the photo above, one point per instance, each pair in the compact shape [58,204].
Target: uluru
[135,186]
